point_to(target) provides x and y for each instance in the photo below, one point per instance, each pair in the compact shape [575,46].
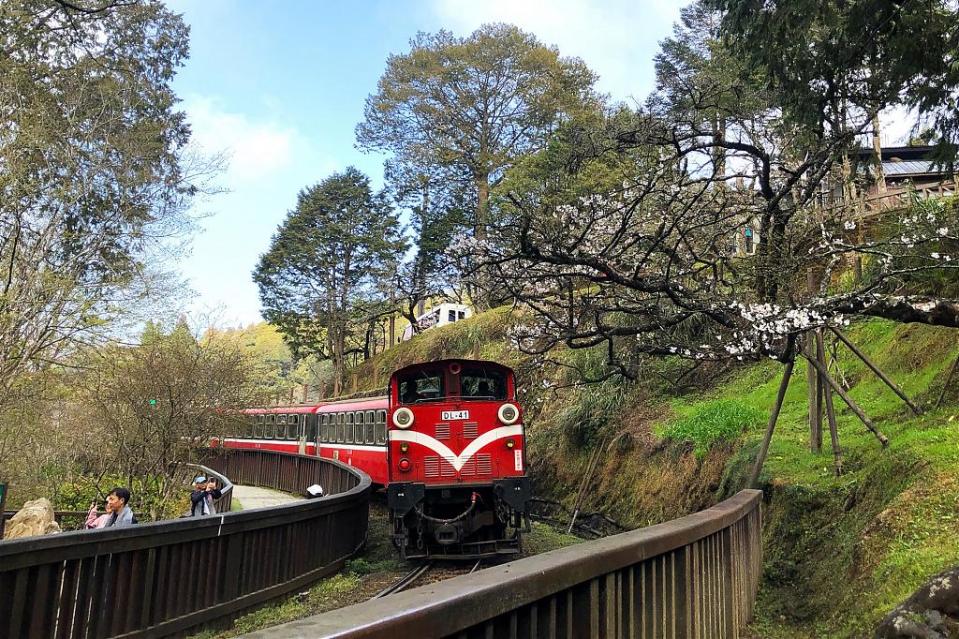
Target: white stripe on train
[443,450]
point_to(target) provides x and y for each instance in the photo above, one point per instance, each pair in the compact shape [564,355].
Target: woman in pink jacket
[118,513]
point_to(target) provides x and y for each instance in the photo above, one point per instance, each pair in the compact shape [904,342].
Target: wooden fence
[694,577]
[161,579]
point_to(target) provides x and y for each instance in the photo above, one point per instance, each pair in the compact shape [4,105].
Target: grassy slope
[840,551]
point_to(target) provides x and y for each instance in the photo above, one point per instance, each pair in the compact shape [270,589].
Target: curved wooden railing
[160,579]
[695,576]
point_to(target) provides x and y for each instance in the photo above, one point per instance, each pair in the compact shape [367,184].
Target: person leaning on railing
[118,512]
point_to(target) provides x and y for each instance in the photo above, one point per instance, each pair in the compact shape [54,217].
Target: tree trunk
[482,298]
[877,155]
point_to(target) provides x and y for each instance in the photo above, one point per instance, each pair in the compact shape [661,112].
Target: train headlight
[404,465]
[508,413]
[510,443]
[403,418]
[404,447]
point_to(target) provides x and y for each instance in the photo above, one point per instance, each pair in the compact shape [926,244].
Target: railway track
[445,572]
[405,581]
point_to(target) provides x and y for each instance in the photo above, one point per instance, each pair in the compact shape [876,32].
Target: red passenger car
[447,442]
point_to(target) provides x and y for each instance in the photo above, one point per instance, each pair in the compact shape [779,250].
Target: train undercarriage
[459,521]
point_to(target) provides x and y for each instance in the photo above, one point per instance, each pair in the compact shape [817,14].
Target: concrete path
[251,497]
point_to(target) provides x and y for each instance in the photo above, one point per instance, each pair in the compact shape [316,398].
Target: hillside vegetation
[840,552]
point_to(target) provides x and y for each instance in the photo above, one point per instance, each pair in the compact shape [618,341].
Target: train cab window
[381,427]
[421,386]
[482,383]
[370,427]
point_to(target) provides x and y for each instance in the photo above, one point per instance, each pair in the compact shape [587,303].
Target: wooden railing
[691,577]
[163,578]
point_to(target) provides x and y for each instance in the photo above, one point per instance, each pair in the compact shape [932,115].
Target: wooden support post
[952,371]
[851,404]
[875,369]
[814,398]
[830,409]
[771,426]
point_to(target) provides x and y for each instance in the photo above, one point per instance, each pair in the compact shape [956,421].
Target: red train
[447,443]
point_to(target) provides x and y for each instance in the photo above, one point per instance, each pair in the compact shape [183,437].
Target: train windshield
[477,382]
[420,386]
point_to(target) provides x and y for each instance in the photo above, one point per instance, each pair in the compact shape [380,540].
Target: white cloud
[255,149]
[616,38]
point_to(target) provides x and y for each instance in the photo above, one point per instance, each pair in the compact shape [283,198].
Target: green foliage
[327,264]
[92,163]
[823,57]
[455,113]
[722,420]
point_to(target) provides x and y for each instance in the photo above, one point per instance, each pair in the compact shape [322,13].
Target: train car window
[381,427]
[250,425]
[420,386]
[327,428]
[293,427]
[268,427]
[340,428]
[321,428]
[280,427]
[370,427]
[258,427]
[349,428]
[358,431]
[311,428]
[482,383]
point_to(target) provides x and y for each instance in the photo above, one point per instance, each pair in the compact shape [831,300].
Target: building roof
[909,167]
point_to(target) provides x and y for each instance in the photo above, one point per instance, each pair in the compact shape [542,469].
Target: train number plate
[455,414]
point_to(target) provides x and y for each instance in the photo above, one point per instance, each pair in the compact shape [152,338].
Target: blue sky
[280,87]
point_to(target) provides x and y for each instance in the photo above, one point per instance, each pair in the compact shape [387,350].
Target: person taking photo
[203,496]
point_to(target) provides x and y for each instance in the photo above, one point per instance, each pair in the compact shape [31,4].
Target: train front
[457,459]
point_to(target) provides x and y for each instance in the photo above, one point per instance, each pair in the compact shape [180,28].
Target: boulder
[932,612]
[35,518]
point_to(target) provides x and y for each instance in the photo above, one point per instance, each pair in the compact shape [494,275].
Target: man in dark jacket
[204,492]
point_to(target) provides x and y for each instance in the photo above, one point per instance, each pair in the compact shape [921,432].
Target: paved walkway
[251,497]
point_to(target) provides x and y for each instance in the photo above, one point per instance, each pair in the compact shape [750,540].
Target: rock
[931,612]
[35,518]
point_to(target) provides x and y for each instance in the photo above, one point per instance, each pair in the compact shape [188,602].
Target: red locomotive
[446,442]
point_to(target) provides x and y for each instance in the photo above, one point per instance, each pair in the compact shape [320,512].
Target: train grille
[481,464]
[470,430]
[442,431]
